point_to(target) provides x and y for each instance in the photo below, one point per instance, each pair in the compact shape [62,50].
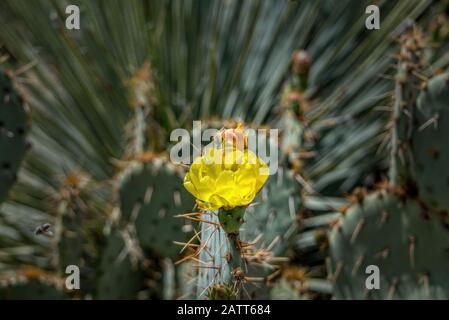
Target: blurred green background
[101,103]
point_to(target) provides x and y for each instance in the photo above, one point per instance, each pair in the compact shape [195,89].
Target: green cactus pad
[410,62]
[119,279]
[70,239]
[284,290]
[23,288]
[292,134]
[151,195]
[273,213]
[395,234]
[216,269]
[185,276]
[430,144]
[13,126]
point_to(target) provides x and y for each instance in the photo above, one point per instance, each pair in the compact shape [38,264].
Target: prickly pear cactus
[186,277]
[71,241]
[78,229]
[272,218]
[407,82]
[292,134]
[31,284]
[71,213]
[397,235]
[394,228]
[228,263]
[13,127]
[293,106]
[224,259]
[31,290]
[216,274]
[284,290]
[430,145]
[119,276]
[151,195]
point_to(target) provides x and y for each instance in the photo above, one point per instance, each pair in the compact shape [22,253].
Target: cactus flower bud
[301,62]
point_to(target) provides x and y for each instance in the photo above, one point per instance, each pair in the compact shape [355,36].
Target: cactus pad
[273,214]
[151,194]
[30,291]
[395,234]
[216,270]
[119,279]
[31,284]
[284,290]
[430,146]
[13,126]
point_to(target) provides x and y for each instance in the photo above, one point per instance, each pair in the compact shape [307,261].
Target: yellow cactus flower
[226,178]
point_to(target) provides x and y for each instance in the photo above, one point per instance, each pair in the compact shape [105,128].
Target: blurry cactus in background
[361,177]
[13,129]
[401,227]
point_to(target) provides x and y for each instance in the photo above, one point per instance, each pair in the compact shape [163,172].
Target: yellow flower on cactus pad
[226,178]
